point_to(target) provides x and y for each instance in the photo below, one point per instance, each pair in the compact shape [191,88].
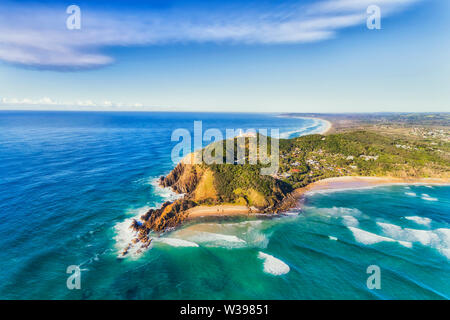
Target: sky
[235,56]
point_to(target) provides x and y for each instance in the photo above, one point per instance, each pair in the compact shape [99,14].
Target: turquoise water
[71,182]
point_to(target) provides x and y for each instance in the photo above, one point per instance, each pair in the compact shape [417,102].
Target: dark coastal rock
[125,251]
[135,225]
[169,216]
[182,179]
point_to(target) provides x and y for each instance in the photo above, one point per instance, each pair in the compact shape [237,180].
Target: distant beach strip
[320,126]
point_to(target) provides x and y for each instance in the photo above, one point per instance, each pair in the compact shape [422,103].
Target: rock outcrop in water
[170,215]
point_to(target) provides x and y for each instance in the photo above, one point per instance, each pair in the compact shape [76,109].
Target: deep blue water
[70,183]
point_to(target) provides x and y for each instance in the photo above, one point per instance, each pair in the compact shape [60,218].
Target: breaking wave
[125,235]
[166,193]
[217,240]
[420,220]
[273,265]
[428,198]
[350,221]
[174,242]
[368,238]
[318,126]
[438,239]
[337,211]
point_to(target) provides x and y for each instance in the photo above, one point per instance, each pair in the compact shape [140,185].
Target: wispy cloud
[37,36]
[49,102]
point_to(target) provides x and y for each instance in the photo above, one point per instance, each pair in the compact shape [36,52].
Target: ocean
[70,183]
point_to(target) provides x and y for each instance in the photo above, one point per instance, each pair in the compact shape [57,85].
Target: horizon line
[250,112]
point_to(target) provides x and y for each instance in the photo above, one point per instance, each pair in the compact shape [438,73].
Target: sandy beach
[328,126]
[355,182]
[220,210]
[326,129]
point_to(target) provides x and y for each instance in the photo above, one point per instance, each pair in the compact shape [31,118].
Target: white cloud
[48,102]
[37,36]
[388,6]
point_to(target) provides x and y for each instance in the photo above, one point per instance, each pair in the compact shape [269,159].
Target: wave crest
[273,265]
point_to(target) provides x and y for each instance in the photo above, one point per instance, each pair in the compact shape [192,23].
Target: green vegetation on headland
[385,150]
[360,153]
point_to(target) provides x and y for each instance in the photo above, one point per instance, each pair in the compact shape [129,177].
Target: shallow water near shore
[70,181]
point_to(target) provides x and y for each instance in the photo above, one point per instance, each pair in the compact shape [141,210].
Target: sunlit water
[71,182]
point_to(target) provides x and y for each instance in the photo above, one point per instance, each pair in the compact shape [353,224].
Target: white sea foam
[368,238]
[344,189]
[228,235]
[445,252]
[420,220]
[217,240]
[166,193]
[124,234]
[247,223]
[317,124]
[338,211]
[411,194]
[405,243]
[332,238]
[428,198]
[174,242]
[438,239]
[444,235]
[273,265]
[94,258]
[249,231]
[350,221]
[256,238]
[291,213]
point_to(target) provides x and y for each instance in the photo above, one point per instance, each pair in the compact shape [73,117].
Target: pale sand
[327,128]
[347,182]
[355,182]
[324,131]
[220,210]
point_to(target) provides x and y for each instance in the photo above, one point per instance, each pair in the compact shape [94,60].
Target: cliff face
[182,179]
[168,216]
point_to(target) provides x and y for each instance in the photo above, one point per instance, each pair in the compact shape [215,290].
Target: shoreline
[296,197]
[328,127]
[226,210]
[328,124]
[359,182]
